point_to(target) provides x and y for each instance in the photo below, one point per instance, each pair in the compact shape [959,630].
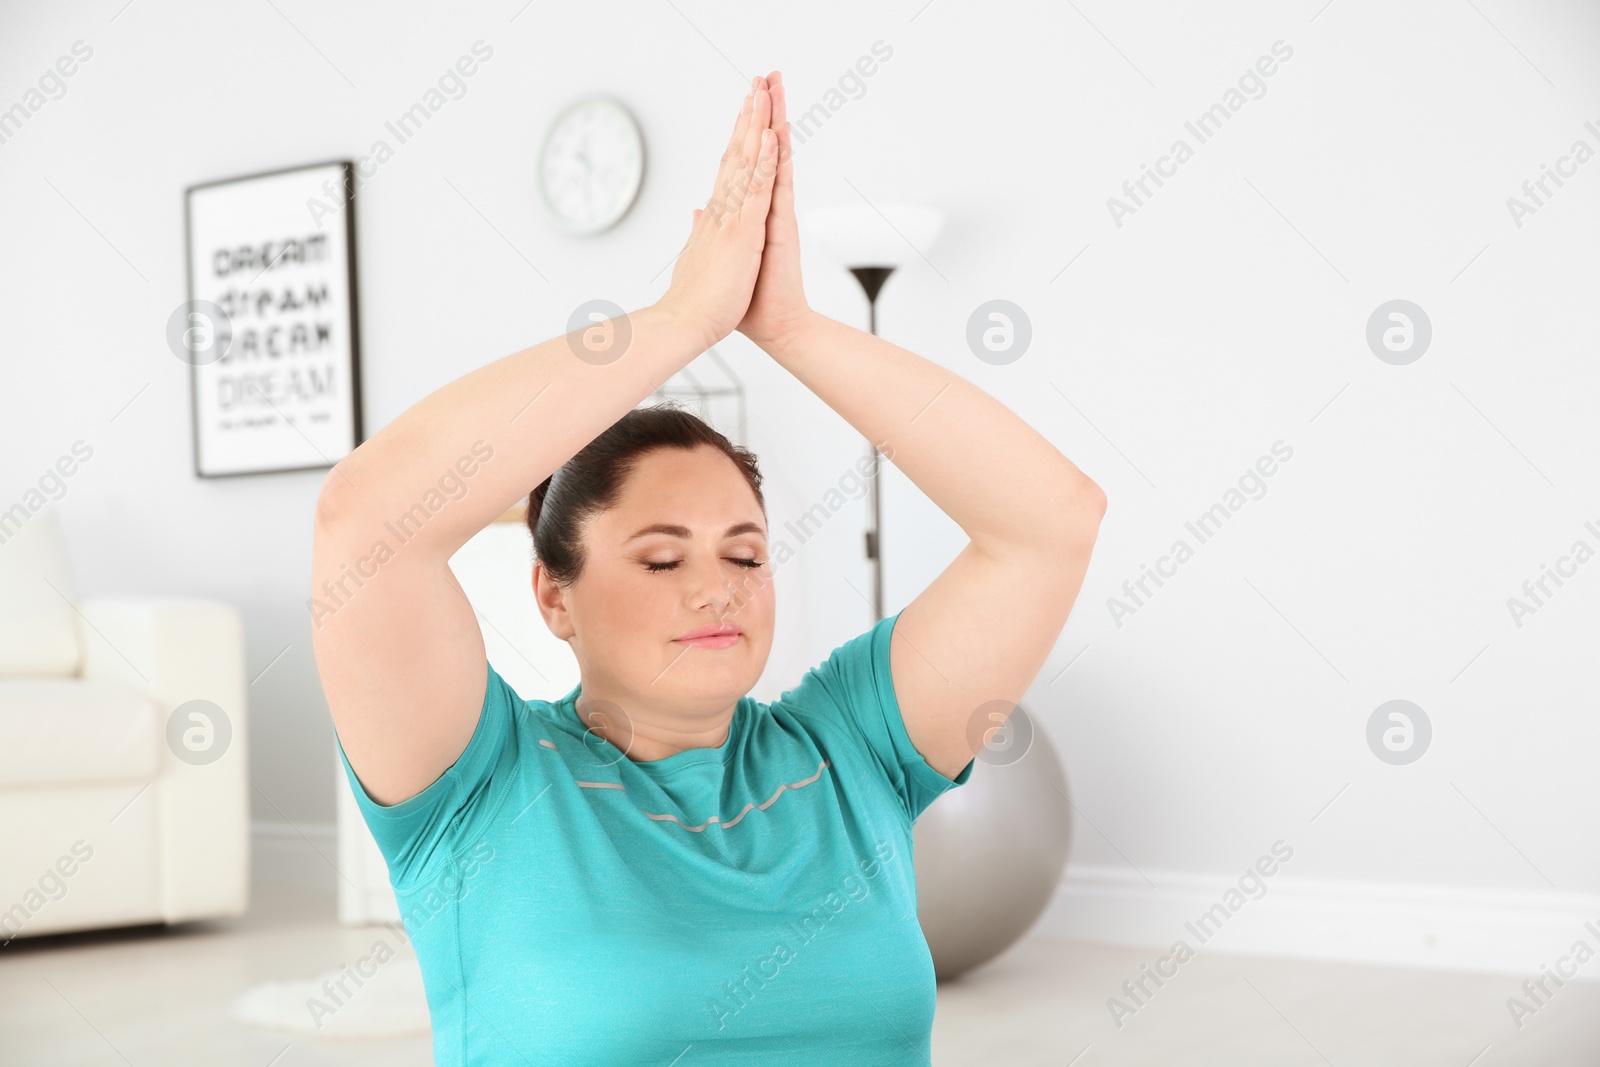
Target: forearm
[998,478]
[474,447]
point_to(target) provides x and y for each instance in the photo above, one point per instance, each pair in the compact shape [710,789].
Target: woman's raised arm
[978,635]
[398,649]
[536,408]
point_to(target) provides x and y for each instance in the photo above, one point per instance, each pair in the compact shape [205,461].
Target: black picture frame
[352,313]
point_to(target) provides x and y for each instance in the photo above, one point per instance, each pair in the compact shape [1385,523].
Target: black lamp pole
[872,279]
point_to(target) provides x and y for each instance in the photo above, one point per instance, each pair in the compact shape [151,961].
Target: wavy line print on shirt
[725,824]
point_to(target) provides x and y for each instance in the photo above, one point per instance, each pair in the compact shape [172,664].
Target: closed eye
[750,563]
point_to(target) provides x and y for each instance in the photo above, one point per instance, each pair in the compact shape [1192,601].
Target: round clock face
[591,165]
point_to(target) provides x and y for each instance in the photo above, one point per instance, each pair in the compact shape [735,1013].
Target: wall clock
[591,165]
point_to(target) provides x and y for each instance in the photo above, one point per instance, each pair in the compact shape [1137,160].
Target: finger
[736,141]
[783,180]
[760,114]
[760,121]
[780,114]
[758,197]
[729,163]
[740,125]
[772,165]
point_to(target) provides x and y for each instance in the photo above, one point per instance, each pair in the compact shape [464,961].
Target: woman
[656,868]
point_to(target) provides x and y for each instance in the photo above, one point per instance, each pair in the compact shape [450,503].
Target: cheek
[753,594]
[759,589]
[620,596]
[634,588]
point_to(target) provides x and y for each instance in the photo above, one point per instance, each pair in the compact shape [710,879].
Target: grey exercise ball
[989,854]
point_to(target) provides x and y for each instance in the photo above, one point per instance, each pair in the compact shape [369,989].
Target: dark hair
[591,481]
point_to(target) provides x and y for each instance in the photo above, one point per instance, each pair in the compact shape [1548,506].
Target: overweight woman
[656,868]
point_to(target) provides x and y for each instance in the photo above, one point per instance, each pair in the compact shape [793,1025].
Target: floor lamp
[871,242]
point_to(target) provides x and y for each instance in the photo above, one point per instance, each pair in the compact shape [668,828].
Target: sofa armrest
[176,650]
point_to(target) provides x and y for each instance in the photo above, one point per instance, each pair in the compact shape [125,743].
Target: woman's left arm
[981,631]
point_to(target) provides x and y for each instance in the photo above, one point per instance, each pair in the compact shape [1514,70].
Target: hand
[715,273]
[778,306]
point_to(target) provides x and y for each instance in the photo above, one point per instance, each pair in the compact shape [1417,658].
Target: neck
[647,736]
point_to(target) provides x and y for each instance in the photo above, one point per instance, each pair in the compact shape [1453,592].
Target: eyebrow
[684,532]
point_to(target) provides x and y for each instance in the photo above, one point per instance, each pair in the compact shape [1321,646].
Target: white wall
[1228,313]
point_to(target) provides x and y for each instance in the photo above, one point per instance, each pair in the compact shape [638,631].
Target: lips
[726,629]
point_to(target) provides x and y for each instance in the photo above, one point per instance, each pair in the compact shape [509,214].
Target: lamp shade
[882,235]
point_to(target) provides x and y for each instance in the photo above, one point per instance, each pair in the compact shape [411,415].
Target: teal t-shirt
[753,903]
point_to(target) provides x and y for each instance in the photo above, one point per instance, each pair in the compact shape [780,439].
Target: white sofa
[101,823]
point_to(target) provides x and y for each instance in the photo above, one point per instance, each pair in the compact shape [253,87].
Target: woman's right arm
[397,644]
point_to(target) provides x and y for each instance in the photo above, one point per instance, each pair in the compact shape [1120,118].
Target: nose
[712,587]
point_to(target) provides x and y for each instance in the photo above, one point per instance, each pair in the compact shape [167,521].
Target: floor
[158,996]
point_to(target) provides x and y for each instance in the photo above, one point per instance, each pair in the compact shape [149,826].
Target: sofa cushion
[38,628]
[55,732]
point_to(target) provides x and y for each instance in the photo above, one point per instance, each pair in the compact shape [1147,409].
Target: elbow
[1085,500]
[332,500]
[1094,499]
[1085,508]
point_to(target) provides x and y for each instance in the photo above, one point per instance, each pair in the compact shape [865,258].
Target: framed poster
[270,329]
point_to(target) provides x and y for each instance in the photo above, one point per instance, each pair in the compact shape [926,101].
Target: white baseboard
[265,829]
[1436,927]
[299,856]
[1486,931]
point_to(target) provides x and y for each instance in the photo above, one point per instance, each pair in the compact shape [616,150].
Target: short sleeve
[855,684]
[427,829]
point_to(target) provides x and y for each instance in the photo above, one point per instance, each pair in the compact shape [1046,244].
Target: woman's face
[642,588]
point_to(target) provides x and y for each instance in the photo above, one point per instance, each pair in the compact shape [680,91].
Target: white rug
[389,1003]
